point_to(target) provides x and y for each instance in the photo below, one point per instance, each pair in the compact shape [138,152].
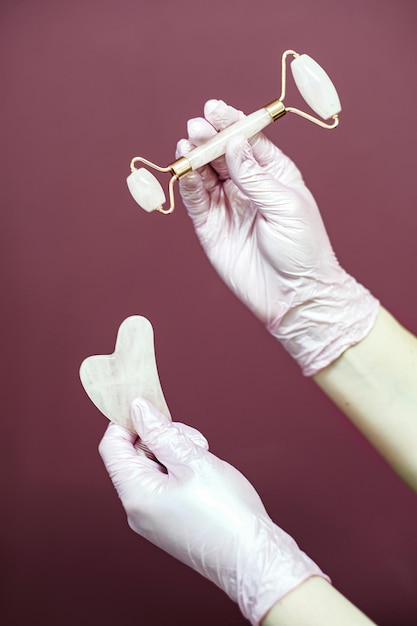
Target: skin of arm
[315,603]
[375,384]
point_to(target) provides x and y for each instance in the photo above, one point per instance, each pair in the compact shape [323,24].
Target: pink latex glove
[261,229]
[202,511]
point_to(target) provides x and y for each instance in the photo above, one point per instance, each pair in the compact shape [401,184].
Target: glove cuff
[330,319]
[276,567]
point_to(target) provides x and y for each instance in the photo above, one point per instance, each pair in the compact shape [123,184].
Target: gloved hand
[202,511]
[261,229]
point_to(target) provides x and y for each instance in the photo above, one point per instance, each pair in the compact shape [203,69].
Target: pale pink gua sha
[112,381]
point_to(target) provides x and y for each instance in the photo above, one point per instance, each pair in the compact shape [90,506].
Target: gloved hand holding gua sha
[178,495]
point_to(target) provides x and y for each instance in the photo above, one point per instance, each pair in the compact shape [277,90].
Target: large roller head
[146,189]
[315,86]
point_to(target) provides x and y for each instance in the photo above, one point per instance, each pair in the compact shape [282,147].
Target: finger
[270,157]
[199,132]
[120,449]
[183,147]
[193,187]
[220,115]
[208,175]
[117,444]
[134,477]
[194,434]
[123,464]
[169,443]
[270,196]
[195,197]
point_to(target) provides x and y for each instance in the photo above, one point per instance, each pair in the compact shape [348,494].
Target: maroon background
[87,85]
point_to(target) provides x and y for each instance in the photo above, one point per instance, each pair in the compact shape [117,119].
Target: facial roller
[315,87]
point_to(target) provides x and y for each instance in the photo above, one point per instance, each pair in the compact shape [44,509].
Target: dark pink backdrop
[87,85]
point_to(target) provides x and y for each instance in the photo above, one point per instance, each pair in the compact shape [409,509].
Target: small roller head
[146,189]
[315,86]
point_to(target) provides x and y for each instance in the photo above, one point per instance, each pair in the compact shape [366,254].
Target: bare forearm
[375,384]
[315,603]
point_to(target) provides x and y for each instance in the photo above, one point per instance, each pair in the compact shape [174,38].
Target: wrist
[275,566]
[326,319]
[315,603]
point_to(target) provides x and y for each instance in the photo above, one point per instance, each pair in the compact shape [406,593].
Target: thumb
[171,444]
[269,195]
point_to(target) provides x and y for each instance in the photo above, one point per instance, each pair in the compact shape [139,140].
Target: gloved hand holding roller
[261,229]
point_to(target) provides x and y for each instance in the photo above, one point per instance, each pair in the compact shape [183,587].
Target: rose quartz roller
[312,82]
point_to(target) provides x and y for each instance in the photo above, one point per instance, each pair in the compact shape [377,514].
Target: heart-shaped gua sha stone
[112,381]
